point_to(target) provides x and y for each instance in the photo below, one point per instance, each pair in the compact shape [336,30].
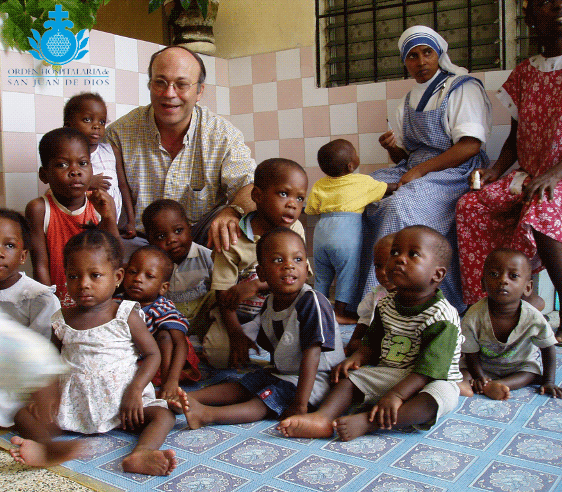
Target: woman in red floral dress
[522,211]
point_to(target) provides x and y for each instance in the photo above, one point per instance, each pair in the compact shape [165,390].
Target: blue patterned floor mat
[484,445]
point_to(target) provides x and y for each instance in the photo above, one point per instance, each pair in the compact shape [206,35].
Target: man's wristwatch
[237,208]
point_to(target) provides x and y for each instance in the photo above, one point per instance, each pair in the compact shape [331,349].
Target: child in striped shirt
[413,345]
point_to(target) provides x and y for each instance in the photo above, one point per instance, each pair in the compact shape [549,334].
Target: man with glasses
[174,148]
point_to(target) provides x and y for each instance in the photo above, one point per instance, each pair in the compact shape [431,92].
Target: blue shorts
[277,394]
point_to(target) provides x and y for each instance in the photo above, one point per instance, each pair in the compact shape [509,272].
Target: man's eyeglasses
[161,85]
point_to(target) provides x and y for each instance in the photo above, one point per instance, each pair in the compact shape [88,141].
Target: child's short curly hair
[263,240]
[270,171]
[150,212]
[6,213]
[168,264]
[74,105]
[51,141]
[334,157]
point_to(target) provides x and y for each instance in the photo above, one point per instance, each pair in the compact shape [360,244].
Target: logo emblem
[58,45]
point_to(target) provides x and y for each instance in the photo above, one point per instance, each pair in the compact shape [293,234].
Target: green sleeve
[439,342]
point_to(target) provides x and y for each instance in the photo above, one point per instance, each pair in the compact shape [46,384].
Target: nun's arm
[460,152]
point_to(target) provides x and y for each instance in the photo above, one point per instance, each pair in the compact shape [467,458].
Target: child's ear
[439,274]
[528,288]
[43,175]
[260,271]
[351,167]
[164,288]
[119,274]
[256,194]
[23,256]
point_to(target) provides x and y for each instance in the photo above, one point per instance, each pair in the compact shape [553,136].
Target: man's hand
[224,230]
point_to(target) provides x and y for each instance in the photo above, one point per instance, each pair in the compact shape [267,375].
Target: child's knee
[163,338]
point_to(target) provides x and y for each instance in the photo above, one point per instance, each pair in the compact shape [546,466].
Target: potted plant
[25,15]
[190,22]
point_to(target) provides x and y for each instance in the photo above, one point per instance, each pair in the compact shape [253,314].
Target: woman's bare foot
[150,461]
[197,414]
[33,453]
[310,425]
[496,390]
[352,426]
[466,388]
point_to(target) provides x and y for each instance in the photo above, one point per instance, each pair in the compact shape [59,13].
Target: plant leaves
[154,4]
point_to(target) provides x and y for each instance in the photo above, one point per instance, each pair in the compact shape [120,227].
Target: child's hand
[131,411]
[478,384]
[343,368]
[100,181]
[231,298]
[240,345]
[130,230]
[385,412]
[169,390]
[104,204]
[551,389]
[294,409]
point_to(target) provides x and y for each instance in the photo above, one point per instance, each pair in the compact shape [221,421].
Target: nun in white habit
[438,138]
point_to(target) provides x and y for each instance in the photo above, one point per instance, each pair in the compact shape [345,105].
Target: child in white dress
[22,299]
[101,340]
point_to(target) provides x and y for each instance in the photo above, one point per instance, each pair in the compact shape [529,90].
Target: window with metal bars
[356,40]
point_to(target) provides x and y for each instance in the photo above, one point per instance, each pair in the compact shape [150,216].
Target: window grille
[356,40]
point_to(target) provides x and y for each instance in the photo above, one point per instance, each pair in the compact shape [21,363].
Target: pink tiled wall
[272,98]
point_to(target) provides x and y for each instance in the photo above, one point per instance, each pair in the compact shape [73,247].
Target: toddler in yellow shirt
[340,198]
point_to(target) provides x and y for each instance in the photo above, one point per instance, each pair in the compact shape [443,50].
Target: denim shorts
[277,394]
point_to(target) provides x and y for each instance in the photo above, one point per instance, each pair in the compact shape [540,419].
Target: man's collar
[188,137]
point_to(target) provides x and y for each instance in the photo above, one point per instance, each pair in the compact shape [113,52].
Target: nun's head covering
[422,35]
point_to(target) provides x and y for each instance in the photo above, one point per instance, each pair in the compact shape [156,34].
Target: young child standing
[65,210]
[87,112]
[22,299]
[146,281]
[503,333]
[340,199]
[297,325]
[279,191]
[100,340]
[412,346]
[166,226]
[366,308]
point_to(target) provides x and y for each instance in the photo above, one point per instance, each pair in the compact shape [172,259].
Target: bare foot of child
[466,389]
[310,425]
[150,462]
[352,426]
[496,391]
[33,453]
[197,414]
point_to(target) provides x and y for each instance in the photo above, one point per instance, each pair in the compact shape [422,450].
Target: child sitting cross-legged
[147,277]
[366,308]
[167,227]
[340,198]
[279,191]
[506,336]
[65,209]
[297,325]
[408,365]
